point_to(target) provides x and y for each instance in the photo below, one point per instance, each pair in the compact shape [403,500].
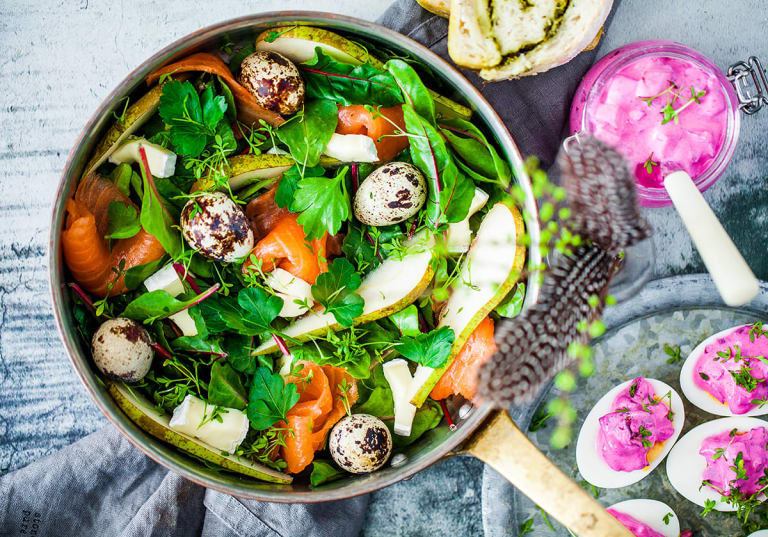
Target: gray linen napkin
[103,486]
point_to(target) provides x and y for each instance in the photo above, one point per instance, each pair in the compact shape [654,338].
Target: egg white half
[759,533]
[651,513]
[699,397]
[591,464]
[685,467]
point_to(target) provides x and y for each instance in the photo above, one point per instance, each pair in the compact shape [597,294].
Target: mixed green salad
[288,254]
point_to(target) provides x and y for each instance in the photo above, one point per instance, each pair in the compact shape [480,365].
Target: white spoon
[733,278]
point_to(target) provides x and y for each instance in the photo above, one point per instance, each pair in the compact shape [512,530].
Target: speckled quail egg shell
[273,80]
[702,398]
[360,443]
[685,466]
[122,350]
[591,464]
[392,193]
[651,513]
[214,225]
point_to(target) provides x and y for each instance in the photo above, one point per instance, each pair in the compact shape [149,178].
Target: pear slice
[489,271]
[135,116]
[248,169]
[145,415]
[387,289]
[298,44]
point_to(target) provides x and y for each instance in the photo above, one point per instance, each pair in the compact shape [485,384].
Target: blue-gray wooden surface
[58,60]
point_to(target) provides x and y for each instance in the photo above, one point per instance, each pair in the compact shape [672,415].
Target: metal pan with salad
[286,255]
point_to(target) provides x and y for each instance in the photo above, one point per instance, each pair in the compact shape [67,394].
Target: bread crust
[438,7]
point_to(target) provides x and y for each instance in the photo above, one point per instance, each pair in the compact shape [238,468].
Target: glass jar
[665,107]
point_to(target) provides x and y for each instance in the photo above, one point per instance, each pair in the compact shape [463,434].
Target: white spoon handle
[734,279]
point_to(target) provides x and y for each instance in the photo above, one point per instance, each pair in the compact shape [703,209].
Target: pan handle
[503,446]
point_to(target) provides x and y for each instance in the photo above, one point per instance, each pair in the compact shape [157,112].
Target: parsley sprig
[334,290]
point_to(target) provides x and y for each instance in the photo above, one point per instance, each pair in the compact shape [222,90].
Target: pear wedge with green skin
[135,116]
[387,289]
[490,270]
[297,43]
[144,414]
[245,170]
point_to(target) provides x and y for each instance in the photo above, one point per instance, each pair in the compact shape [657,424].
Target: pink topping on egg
[629,114]
[637,528]
[736,461]
[638,420]
[732,370]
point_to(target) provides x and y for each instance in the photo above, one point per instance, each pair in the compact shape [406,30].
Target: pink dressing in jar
[637,528]
[666,108]
[732,370]
[746,451]
[634,432]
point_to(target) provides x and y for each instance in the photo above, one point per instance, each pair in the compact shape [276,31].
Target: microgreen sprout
[649,164]
[672,114]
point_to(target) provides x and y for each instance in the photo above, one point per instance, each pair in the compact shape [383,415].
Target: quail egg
[360,443]
[214,225]
[392,193]
[122,350]
[273,80]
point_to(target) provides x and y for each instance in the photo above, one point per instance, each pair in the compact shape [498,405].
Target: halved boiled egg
[591,462]
[685,466]
[759,533]
[657,515]
[706,372]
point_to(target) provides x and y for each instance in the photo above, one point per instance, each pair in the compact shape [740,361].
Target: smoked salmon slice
[322,402]
[286,246]
[86,251]
[264,213]
[461,376]
[355,119]
[249,111]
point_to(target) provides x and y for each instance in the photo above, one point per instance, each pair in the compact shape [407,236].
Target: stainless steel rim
[165,454]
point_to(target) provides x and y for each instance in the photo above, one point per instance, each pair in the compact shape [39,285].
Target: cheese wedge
[194,417]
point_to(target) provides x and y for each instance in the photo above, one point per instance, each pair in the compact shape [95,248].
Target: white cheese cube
[162,162]
[352,148]
[225,435]
[399,378]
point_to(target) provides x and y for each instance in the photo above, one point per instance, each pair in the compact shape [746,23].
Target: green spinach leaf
[431,349]
[327,78]
[158,304]
[375,395]
[121,176]
[334,290]
[407,321]
[450,192]
[414,91]
[135,276]
[155,218]
[324,472]
[323,203]
[270,399]
[122,221]
[226,387]
[471,145]
[309,131]
[238,349]
[513,302]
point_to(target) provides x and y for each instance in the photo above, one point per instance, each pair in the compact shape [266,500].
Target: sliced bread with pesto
[514,38]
